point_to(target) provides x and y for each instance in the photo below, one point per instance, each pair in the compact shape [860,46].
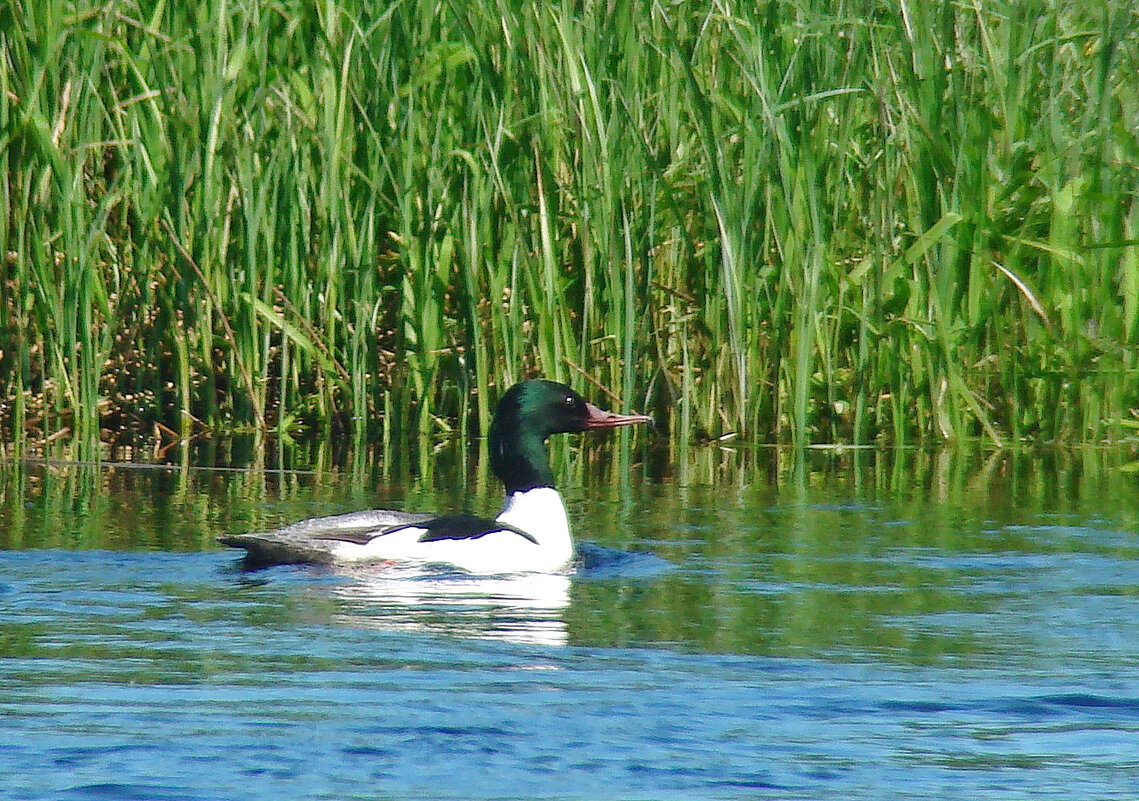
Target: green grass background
[800,221]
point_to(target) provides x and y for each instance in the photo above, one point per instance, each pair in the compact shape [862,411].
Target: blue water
[789,644]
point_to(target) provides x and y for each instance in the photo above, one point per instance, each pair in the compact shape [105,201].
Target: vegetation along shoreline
[791,221]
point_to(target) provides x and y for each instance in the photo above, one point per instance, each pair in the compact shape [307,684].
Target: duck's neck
[519,459]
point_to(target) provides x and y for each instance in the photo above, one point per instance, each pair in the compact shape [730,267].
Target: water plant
[787,220]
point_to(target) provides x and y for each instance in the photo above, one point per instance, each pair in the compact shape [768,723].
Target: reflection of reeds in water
[792,220]
[608,487]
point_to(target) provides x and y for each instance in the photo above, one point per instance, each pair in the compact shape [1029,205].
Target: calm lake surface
[854,625]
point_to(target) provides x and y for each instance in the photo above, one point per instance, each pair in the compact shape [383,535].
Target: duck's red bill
[599,418]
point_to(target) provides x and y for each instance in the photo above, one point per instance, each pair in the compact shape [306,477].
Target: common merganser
[530,534]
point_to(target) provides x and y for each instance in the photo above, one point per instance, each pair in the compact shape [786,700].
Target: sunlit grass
[800,221]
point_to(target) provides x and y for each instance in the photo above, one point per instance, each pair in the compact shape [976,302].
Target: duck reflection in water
[523,608]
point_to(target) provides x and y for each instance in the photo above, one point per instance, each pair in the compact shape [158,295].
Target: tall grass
[790,220]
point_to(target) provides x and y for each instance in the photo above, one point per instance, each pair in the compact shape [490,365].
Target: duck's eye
[568,401]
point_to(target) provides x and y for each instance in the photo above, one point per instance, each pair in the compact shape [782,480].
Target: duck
[530,535]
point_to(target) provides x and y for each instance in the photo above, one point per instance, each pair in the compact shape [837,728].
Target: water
[858,626]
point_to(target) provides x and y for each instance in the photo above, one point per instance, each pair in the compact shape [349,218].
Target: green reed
[788,220]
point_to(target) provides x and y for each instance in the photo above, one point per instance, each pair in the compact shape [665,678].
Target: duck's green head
[528,413]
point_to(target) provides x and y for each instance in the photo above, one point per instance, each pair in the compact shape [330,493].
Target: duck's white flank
[539,512]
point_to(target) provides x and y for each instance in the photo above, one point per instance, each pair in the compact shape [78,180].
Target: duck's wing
[458,527]
[315,541]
